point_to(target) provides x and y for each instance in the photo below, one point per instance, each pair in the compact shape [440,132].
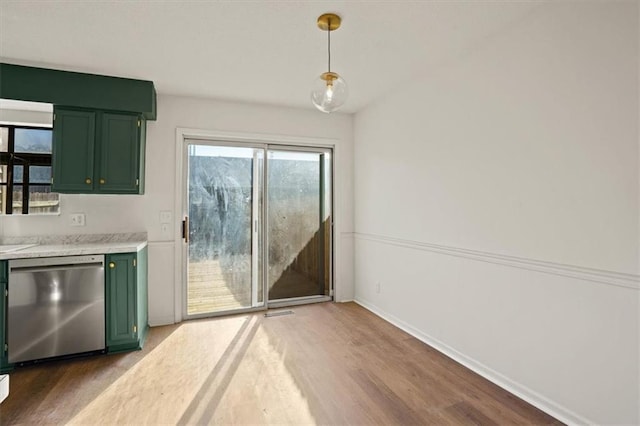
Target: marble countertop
[69,245]
[4,386]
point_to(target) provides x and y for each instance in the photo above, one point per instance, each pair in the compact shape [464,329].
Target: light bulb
[329,92]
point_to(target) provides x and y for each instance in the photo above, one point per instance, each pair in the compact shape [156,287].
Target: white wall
[118,213]
[497,206]
[25,117]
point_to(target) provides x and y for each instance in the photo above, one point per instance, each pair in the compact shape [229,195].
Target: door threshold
[293,301]
[228,312]
[270,314]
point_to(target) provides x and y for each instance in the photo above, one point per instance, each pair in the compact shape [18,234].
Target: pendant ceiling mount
[329,22]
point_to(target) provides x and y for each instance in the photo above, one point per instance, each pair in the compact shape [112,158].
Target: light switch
[165,230]
[165,216]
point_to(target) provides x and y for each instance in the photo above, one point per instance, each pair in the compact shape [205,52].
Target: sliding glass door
[224,246]
[231,193]
[299,223]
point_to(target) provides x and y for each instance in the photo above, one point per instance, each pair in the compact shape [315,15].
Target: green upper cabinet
[98,152]
[73,151]
[120,146]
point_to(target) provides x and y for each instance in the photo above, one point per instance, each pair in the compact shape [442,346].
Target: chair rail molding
[599,276]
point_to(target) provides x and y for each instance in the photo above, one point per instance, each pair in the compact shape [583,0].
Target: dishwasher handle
[55,267]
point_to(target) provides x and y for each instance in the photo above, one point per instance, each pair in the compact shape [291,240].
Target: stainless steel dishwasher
[55,307]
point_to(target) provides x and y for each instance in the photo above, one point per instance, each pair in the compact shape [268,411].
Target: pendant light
[329,90]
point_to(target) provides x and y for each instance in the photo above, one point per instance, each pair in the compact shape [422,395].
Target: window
[25,170]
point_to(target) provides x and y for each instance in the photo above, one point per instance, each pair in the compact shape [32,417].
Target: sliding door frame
[186,136]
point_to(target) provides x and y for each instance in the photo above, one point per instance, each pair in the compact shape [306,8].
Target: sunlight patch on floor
[197,375]
[263,382]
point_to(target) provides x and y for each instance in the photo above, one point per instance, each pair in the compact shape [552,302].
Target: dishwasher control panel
[36,262]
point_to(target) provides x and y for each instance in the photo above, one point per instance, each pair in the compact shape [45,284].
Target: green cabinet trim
[98,152]
[78,89]
[142,307]
[5,367]
[142,140]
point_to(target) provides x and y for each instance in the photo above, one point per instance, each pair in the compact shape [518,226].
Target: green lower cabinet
[126,301]
[4,364]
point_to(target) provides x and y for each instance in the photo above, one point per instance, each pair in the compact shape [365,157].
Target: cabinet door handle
[87,181]
[102,181]
[112,265]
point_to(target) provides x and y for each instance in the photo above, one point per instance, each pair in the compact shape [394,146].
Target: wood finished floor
[325,364]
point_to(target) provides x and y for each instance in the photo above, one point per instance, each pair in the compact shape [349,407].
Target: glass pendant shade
[329,92]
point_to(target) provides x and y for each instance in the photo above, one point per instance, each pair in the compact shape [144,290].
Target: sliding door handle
[185,229]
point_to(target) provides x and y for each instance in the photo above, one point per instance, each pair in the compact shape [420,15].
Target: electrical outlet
[378,287]
[77,219]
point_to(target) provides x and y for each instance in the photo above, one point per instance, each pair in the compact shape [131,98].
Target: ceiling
[252,51]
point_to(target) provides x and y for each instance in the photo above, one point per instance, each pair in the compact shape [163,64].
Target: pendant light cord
[329,43]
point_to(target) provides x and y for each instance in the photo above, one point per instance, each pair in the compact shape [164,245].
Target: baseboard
[142,336]
[523,392]
[165,320]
